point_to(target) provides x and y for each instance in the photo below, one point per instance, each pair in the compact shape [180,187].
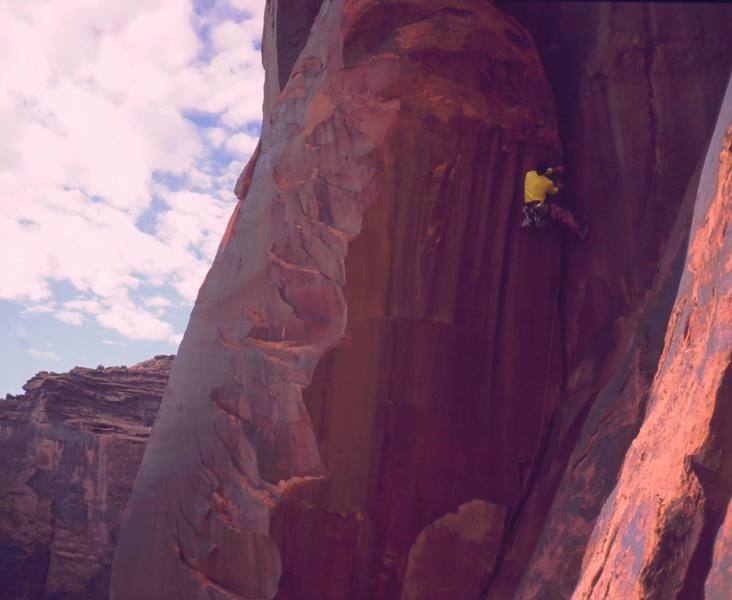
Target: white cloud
[133,323]
[157,302]
[37,309]
[70,317]
[95,123]
[90,306]
[44,354]
[215,136]
[241,144]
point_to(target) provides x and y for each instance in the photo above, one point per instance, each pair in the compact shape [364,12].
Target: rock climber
[537,207]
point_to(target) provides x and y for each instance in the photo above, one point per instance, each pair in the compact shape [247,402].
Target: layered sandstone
[70,448]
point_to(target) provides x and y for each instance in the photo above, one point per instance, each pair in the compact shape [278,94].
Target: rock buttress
[70,448]
[655,537]
[428,112]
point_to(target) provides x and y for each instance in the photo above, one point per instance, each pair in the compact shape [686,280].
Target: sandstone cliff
[627,76]
[655,536]
[382,366]
[375,83]
[70,448]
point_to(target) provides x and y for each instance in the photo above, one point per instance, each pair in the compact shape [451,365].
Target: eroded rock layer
[437,291]
[70,448]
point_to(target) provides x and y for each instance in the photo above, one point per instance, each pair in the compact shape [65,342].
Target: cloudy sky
[124,127]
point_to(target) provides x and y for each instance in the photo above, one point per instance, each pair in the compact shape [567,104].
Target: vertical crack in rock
[293,22]
[601,567]
[604,61]
[545,432]
[649,56]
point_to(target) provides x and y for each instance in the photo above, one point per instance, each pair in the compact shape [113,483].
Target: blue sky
[126,126]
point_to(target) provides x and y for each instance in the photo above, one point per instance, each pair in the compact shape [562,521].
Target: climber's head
[542,167]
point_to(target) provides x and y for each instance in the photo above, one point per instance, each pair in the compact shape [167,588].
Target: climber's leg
[541,214]
[528,216]
[566,218]
[535,214]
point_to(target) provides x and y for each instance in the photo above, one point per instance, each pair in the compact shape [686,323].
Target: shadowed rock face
[379,344]
[287,28]
[637,87]
[450,557]
[70,448]
[404,408]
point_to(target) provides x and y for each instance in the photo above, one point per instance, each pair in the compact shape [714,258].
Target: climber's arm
[553,190]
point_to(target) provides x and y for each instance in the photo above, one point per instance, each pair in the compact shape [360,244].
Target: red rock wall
[626,81]
[626,78]
[438,293]
[655,537]
[303,454]
[70,448]
[612,422]
[376,112]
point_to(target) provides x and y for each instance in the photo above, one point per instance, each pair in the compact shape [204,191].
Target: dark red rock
[624,94]
[70,448]
[450,557]
[719,580]
[362,388]
[287,25]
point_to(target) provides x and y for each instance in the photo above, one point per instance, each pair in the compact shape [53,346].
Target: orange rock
[655,535]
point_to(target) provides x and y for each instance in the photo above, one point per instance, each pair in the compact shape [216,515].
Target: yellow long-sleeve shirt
[536,187]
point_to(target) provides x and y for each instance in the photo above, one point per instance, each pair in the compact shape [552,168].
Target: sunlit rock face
[70,448]
[379,345]
[655,537]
